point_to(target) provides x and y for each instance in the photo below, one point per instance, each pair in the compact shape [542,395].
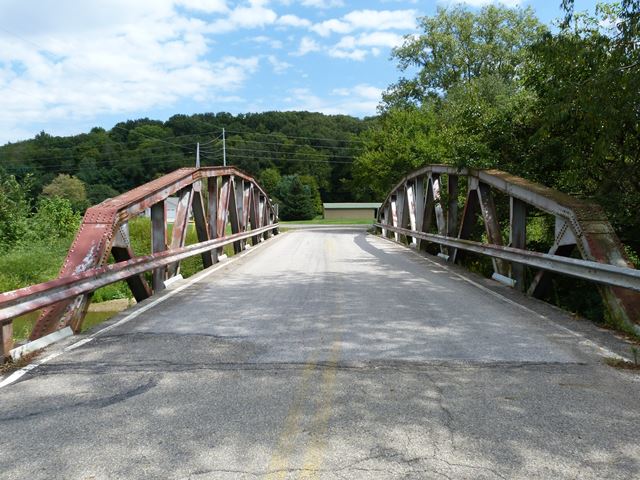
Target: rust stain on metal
[93,243]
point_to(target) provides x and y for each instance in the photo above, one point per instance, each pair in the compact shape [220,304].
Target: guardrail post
[6,337]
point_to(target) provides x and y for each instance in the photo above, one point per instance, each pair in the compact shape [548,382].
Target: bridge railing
[423,207]
[215,197]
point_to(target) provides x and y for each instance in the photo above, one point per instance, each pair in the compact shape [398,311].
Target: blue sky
[66,66]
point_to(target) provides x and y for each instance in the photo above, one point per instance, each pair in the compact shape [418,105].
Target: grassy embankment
[41,261]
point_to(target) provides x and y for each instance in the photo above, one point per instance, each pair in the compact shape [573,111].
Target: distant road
[329,353]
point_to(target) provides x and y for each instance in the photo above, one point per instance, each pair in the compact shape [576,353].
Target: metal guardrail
[603,273]
[25,300]
[426,205]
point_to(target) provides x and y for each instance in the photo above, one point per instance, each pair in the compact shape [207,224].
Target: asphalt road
[328,353]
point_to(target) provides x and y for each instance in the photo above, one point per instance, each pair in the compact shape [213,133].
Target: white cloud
[482,3]
[253,16]
[272,42]
[293,21]
[360,46]
[124,57]
[322,3]
[279,66]
[377,20]
[207,6]
[307,45]
[360,100]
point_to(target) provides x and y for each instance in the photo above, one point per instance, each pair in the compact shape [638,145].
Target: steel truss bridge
[422,208]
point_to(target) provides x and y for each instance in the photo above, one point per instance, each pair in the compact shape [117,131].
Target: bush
[54,218]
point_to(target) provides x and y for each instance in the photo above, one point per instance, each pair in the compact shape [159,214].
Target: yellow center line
[280,460]
[315,451]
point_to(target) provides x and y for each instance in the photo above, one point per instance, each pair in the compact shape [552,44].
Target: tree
[457,46]
[297,199]
[587,87]
[70,188]
[14,210]
[100,192]
[269,179]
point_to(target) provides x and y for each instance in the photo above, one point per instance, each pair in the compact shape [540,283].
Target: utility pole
[198,155]
[224,149]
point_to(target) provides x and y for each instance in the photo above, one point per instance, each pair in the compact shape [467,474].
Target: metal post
[198,155]
[518,237]
[6,338]
[158,241]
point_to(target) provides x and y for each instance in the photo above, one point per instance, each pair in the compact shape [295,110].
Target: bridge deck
[328,354]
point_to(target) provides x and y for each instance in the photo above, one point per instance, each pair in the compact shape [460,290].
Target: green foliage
[97,193]
[269,179]
[14,210]
[297,198]
[457,45]
[69,188]
[54,218]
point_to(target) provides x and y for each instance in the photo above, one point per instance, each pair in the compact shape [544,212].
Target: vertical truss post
[121,251]
[411,210]
[180,226]
[212,211]
[469,217]
[419,201]
[223,206]
[441,223]
[200,221]
[158,241]
[452,208]
[394,215]
[491,224]
[254,215]
[427,209]
[386,216]
[6,339]
[246,205]
[517,236]
[234,214]
[563,245]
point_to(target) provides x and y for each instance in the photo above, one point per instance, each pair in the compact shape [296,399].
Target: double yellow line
[314,449]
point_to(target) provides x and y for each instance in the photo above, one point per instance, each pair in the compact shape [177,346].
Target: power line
[235,155]
[290,153]
[299,137]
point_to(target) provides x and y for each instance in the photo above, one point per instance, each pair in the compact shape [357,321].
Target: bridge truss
[215,197]
[427,200]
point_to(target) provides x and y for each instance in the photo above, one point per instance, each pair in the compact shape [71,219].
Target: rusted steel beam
[469,220]
[180,226]
[6,339]
[200,221]
[603,273]
[212,212]
[137,284]
[223,206]
[234,214]
[491,224]
[541,284]
[94,242]
[159,241]
[28,299]
[90,249]
[517,237]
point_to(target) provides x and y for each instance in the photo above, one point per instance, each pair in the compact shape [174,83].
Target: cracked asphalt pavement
[329,353]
